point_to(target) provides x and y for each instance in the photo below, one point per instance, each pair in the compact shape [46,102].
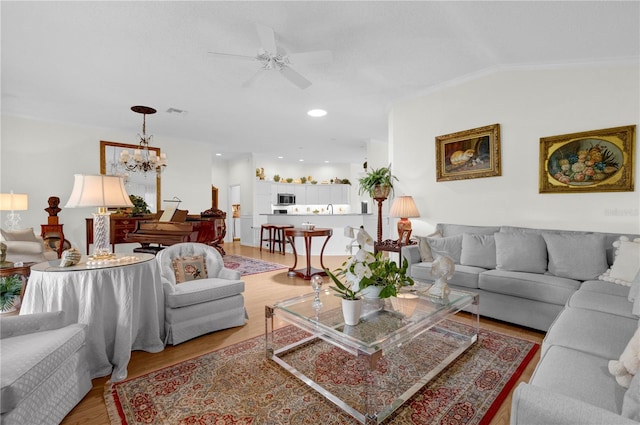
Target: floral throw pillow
[189,268]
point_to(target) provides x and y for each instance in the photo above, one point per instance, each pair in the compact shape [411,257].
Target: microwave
[286,199]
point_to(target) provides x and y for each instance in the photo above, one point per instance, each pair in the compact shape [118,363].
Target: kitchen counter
[337,244]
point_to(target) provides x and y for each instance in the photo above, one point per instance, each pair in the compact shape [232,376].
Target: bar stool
[269,239]
[278,236]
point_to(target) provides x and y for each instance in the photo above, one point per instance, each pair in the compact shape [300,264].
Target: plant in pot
[10,288]
[140,207]
[351,300]
[276,178]
[377,183]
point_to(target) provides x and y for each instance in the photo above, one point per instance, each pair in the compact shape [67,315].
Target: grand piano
[209,228]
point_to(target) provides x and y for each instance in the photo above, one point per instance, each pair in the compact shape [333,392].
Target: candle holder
[316,284]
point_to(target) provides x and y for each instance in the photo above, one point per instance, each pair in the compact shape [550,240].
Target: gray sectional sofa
[524,275]
[591,316]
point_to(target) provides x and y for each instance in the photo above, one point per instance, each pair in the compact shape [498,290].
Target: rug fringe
[114,409]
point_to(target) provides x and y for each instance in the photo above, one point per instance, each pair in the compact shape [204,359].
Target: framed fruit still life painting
[590,161]
[468,154]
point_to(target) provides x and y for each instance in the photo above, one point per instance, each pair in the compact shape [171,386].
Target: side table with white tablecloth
[123,305]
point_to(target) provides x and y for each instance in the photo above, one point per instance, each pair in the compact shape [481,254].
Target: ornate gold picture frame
[147,187]
[590,161]
[468,154]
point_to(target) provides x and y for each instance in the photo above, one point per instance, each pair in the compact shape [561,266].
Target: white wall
[40,158]
[528,105]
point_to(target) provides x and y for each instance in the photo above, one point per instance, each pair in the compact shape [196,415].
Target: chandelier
[143,160]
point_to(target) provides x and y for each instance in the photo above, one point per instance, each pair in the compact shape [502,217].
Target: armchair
[24,246]
[211,302]
[44,368]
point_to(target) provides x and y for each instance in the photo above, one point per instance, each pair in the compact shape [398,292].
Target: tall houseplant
[377,183]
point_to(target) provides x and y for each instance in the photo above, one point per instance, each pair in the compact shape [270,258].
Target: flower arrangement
[366,269]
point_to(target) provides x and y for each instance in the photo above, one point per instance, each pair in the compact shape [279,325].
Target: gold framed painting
[468,154]
[589,161]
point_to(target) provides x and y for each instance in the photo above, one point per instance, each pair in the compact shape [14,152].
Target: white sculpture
[442,269]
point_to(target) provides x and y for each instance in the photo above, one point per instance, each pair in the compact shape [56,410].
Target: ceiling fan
[272,57]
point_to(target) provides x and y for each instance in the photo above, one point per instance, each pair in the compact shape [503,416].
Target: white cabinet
[340,193]
[300,190]
[263,197]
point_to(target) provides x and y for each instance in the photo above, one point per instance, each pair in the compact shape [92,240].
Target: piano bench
[149,249]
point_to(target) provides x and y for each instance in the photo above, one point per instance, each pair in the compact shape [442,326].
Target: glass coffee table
[372,368]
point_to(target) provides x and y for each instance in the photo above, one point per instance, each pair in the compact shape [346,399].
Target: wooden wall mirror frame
[147,187]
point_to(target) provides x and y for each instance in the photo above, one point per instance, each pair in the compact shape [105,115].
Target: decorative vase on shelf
[351,311]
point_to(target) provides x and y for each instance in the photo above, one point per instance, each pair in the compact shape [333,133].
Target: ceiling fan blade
[267,38]
[303,58]
[295,77]
[232,56]
[254,78]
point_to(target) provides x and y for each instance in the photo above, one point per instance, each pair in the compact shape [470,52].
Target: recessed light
[280,157]
[326,161]
[218,154]
[301,160]
[317,113]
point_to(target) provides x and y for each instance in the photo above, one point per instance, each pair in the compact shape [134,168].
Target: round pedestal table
[307,272]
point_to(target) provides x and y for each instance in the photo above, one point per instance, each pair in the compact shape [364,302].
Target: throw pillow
[626,263]
[450,246]
[631,400]
[424,248]
[189,268]
[521,252]
[576,256]
[629,363]
[26,235]
[478,251]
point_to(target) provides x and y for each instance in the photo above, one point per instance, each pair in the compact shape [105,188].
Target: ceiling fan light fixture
[317,113]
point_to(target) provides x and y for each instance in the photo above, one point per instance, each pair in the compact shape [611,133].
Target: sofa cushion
[458,229]
[29,359]
[464,276]
[626,264]
[478,251]
[601,334]
[579,375]
[533,286]
[521,252]
[202,290]
[631,401]
[423,246]
[605,303]
[450,246]
[25,235]
[604,288]
[576,256]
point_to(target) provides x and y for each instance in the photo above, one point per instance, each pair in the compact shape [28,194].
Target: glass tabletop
[383,323]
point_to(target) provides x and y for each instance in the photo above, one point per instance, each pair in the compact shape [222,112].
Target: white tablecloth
[123,307]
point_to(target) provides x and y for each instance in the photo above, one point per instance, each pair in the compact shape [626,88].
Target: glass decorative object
[316,284]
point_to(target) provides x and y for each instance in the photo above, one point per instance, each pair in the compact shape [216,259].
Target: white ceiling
[88,62]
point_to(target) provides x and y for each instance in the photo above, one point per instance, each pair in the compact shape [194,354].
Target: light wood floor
[260,290]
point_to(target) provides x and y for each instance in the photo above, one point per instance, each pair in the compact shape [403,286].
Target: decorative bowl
[308,226]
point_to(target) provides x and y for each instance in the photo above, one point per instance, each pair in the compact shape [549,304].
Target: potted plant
[385,277]
[351,301]
[276,178]
[140,207]
[303,179]
[378,182]
[10,288]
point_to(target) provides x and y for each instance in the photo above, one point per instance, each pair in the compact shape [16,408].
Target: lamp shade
[98,191]
[14,202]
[404,207]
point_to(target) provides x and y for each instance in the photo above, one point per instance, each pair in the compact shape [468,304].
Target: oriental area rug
[238,385]
[248,265]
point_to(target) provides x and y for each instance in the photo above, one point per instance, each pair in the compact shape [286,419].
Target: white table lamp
[103,192]
[404,207]
[13,202]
